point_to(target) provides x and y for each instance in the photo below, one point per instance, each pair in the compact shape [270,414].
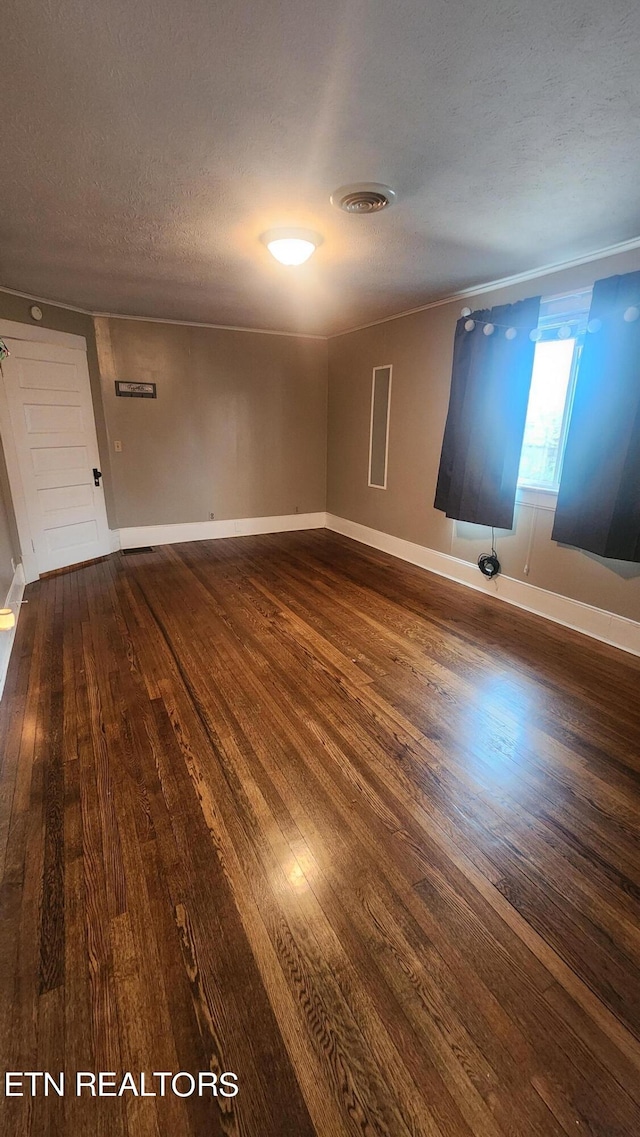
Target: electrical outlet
[212,517]
[117,446]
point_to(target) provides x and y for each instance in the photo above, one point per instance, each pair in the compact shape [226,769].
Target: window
[560,335]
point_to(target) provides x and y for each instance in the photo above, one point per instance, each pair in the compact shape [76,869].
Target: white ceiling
[146,144]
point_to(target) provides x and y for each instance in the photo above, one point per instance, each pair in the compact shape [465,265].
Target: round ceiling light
[366,197]
[291,246]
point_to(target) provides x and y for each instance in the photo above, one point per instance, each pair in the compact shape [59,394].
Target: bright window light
[543,434]
[555,366]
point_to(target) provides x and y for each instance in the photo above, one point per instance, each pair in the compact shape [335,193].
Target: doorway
[51,449]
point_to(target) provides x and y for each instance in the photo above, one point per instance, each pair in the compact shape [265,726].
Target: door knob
[97,474]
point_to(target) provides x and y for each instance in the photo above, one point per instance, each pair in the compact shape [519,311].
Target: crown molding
[45,300]
[214,327]
[462,294]
[495,285]
[157,319]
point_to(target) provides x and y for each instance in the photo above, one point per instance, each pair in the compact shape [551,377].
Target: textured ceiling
[146,144]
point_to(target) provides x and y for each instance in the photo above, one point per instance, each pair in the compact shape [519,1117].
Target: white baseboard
[140,535]
[13,601]
[594,622]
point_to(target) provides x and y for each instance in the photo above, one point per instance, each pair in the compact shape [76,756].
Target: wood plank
[288,807]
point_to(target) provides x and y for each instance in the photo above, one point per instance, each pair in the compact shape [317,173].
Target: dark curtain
[599,500]
[487,411]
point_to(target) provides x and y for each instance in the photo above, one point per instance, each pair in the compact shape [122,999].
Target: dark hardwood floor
[286,807]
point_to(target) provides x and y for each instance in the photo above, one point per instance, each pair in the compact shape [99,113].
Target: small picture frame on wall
[135,390]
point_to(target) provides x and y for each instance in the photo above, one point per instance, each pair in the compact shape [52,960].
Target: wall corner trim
[138,535]
[595,622]
[13,601]
[502,282]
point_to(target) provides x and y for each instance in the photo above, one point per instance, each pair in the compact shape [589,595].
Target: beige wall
[420,347]
[238,428]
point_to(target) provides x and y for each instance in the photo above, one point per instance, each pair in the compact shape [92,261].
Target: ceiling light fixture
[291,246]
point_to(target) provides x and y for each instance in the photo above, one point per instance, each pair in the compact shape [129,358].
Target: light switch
[117,446]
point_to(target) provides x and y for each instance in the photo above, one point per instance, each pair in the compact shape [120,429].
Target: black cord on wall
[488,563]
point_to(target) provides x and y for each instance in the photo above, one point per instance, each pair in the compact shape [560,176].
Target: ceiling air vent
[370,197]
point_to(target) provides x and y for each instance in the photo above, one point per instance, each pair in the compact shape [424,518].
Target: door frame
[11,329]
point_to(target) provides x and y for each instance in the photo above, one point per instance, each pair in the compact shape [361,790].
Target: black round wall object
[489,564]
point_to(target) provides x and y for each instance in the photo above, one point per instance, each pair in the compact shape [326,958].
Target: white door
[55,449]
